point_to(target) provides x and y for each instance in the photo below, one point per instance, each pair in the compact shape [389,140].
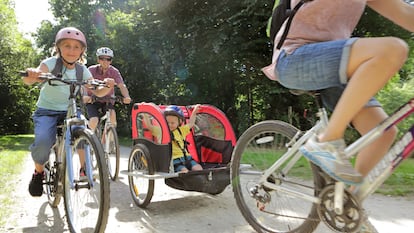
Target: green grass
[263,158]
[13,152]
[401,182]
[125,141]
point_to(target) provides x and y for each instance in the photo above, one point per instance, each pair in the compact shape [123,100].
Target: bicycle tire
[112,152]
[141,188]
[87,205]
[53,170]
[257,149]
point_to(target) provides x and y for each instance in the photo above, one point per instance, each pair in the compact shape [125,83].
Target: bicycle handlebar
[49,77]
[116,99]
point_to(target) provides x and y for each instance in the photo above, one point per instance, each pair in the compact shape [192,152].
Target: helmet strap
[64,60]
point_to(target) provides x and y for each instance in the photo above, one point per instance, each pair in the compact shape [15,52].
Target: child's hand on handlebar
[33,75]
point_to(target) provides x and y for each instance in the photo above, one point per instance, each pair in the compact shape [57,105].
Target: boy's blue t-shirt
[57,97]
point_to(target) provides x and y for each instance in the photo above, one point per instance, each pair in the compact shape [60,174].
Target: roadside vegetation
[13,154]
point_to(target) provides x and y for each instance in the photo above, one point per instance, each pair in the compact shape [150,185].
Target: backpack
[57,70]
[280,13]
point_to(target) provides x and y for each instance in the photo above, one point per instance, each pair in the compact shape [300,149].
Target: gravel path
[173,211]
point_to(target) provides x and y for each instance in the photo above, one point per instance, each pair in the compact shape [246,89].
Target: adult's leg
[93,115]
[113,117]
[364,121]
[372,62]
[93,122]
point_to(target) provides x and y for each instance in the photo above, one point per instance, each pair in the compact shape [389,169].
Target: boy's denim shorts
[45,126]
[180,163]
[318,66]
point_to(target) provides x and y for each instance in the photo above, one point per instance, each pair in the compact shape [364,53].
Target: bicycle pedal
[83,178]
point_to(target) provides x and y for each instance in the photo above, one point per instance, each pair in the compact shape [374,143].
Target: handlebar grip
[41,76]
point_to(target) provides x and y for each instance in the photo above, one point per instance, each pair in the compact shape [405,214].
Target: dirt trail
[173,211]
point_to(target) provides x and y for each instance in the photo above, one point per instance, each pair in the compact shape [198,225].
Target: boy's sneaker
[330,157]
[36,184]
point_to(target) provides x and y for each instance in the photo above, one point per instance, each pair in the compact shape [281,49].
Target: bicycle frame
[106,132]
[75,119]
[103,124]
[107,122]
[401,150]
[106,117]
[293,155]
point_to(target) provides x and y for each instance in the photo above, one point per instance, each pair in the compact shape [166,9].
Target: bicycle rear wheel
[141,188]
[87,201]
[112,154]
[265,209]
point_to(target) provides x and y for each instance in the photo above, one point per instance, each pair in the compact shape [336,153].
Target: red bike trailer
[211,143]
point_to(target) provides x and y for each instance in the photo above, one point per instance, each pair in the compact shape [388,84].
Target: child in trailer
[182,160]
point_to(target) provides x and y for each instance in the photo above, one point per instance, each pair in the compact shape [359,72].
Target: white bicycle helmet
[104,51]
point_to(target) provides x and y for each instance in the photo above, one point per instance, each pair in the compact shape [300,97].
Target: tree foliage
[15,53]
[187,52]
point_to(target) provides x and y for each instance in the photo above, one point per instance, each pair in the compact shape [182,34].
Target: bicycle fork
[69,160]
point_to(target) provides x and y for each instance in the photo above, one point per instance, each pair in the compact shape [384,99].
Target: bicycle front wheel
[264,208]
[112,154]
[86,197]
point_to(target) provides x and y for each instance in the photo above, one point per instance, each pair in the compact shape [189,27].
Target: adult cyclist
[105,69]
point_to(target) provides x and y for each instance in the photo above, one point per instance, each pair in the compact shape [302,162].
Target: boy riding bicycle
[70,47]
